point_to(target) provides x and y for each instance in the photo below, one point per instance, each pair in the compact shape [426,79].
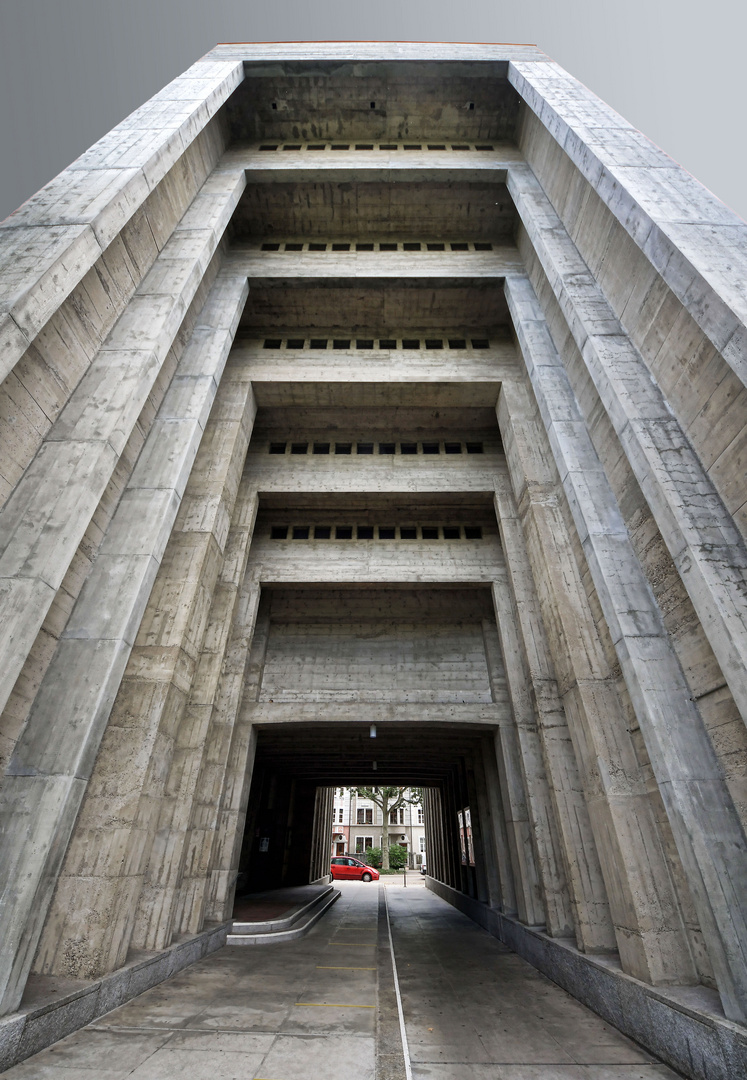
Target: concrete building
[376,389]
[357,826]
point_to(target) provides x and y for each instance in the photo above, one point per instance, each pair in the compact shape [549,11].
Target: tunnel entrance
[292,829]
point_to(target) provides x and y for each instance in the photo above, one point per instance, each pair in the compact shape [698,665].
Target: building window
[393,817]
[363,843]
[340,815]
[422,845]
[420,815]
[365,816]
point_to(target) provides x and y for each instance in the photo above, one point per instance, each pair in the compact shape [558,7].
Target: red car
[345,868]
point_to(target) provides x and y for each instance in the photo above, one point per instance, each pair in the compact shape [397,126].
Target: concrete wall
[501,262]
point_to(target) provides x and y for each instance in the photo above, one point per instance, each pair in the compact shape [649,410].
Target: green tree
[389,799]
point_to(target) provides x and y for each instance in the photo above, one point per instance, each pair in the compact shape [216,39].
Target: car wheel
[365,877]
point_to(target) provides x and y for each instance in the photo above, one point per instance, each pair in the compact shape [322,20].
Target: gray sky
[71,69]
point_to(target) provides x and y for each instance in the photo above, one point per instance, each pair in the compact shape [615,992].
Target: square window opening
[364,247]
[318,343]
[322,532]
[410,343]
[459,245]
[430,447]
[473,532]
[364,448]
[365,532]
[457,343]
[483,245]
[294,247]
[364,146]
[321,447]
[299,447]
[452,448]
[387,448]
[341,247]
[388,247]
[452,532]
[300,532]
[273,343]
[408,448]
[277,447]
[344,532]
[474,447]
[387,532]
[411,246]
[387,343]
[341,343]
[271,247]
[364,343]
[295,343]
[343,448]
[429,532]
[434,343]
[317,247]
[408,532]
[480,343]
[279,532]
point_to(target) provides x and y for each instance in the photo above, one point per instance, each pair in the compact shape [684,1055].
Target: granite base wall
[44,1019]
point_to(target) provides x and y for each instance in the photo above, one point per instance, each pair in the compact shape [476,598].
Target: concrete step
[297,922]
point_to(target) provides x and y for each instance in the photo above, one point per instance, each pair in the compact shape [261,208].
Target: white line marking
[402,1031]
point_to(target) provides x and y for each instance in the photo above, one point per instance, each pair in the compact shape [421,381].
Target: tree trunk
[385,833]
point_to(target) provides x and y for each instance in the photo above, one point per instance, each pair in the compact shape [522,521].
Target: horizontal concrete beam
[326,713]
[495,264]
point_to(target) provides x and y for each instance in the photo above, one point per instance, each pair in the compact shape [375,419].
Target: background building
[357,826]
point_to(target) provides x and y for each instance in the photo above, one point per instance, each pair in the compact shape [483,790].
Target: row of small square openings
[376,146]
[375,532]
[385,448]
[376,343]
[379,245]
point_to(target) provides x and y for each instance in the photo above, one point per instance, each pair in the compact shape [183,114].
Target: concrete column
[644,908]
[47,777]
[488,831]
[237,779]
[709,837]
[203,836]
[508,900]
[534,690]
[521,836]
[157,912]
[526,750]
[93,914]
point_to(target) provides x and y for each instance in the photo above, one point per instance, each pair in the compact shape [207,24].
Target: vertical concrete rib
[648,923]
[46,516]
[702,539]
[534,676]
[550,864]
[47,776]
[706,828]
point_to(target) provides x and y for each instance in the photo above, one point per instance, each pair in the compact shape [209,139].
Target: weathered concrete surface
[493,504]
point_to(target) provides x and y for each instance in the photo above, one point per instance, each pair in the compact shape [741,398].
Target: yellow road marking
[327,967]
[325,1005]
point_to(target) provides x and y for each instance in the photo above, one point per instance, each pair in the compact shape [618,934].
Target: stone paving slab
[312,1008]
